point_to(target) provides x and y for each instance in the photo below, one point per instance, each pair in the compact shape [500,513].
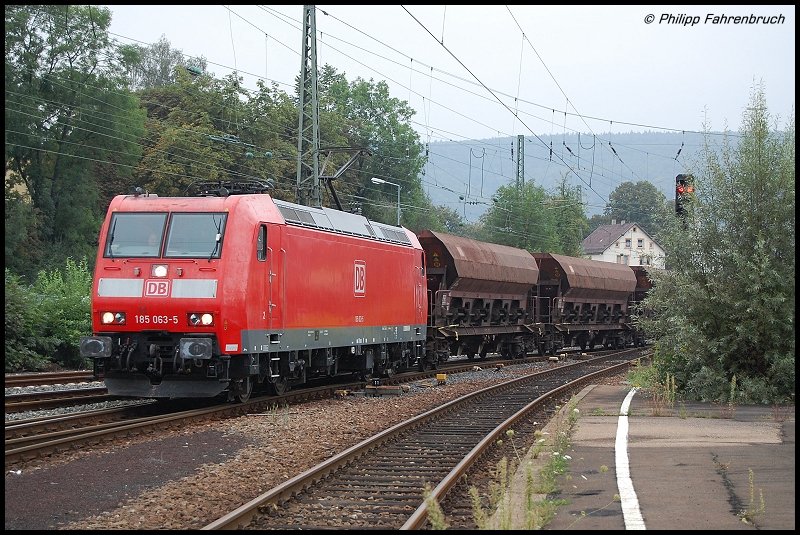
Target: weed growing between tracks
[436,517]
[530,509]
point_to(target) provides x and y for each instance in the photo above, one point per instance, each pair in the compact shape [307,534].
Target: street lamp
[381,181]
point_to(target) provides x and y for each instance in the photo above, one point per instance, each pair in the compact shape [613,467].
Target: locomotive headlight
[158,270]
[197,318]
[112,318]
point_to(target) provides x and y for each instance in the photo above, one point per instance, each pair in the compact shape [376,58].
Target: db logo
[156,288]
[360,278]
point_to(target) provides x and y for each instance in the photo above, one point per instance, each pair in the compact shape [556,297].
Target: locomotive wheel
[242,389]
[279,386]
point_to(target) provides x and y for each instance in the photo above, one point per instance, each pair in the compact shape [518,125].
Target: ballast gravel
[188,478]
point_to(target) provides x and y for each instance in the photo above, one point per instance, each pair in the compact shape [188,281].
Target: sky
[480,72]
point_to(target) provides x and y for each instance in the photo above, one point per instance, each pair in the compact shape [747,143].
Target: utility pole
[308,188]
[520,161]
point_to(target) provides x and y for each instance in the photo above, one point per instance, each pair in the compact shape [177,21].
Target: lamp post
[381,181]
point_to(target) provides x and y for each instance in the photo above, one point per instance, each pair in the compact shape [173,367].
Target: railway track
[380,483]
[34,401]
[29,439]
[48,378]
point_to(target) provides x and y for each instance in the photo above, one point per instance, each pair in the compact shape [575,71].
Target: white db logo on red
[156,288]
[360,279]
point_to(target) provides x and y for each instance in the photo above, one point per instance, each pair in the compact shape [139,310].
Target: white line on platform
[630,503]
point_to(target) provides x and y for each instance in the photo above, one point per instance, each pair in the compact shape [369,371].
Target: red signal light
[680,189]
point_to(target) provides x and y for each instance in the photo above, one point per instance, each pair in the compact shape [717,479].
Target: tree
[640,203]
[520,218]
[724,315]
[369,118]
[71,126]
[156,65]
[198,129]
[570,218]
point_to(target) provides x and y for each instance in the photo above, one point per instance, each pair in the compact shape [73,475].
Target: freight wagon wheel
[242,389]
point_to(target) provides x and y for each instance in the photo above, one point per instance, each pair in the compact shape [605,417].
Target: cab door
[275,259]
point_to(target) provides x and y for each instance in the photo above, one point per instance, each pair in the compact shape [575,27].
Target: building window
[627,243]
[640,243]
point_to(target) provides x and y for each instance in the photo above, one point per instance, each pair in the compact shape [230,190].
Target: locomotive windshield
[195,235]
[136,234]
[141,234]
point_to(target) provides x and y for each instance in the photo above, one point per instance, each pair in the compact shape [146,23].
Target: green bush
[44,321]
[65,302]
[23,328]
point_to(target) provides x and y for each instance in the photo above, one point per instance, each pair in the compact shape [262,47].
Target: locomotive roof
[487,261]
[323,218]
[342,223]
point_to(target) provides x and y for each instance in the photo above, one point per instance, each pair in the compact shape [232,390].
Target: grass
[537,510]
[436,517]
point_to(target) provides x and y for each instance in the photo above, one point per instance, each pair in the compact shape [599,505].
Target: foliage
[70,127]
[23,325]
[641,203]
[44,321]
[156,65]
[368,117]
[519,219]
[726,308]
[570,218]
[64,301]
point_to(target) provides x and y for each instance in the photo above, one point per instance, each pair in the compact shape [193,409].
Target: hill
[464,175]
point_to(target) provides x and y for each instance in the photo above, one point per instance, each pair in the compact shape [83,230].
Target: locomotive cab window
[195,235]
[135,234]
[261,243]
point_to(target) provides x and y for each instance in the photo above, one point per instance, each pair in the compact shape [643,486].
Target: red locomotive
[194,296]
[197,296]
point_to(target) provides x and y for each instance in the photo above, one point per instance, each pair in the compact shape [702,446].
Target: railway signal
[684,192]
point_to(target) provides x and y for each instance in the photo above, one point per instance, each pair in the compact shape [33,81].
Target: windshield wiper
[216,246]
[218,237]
[111,239]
